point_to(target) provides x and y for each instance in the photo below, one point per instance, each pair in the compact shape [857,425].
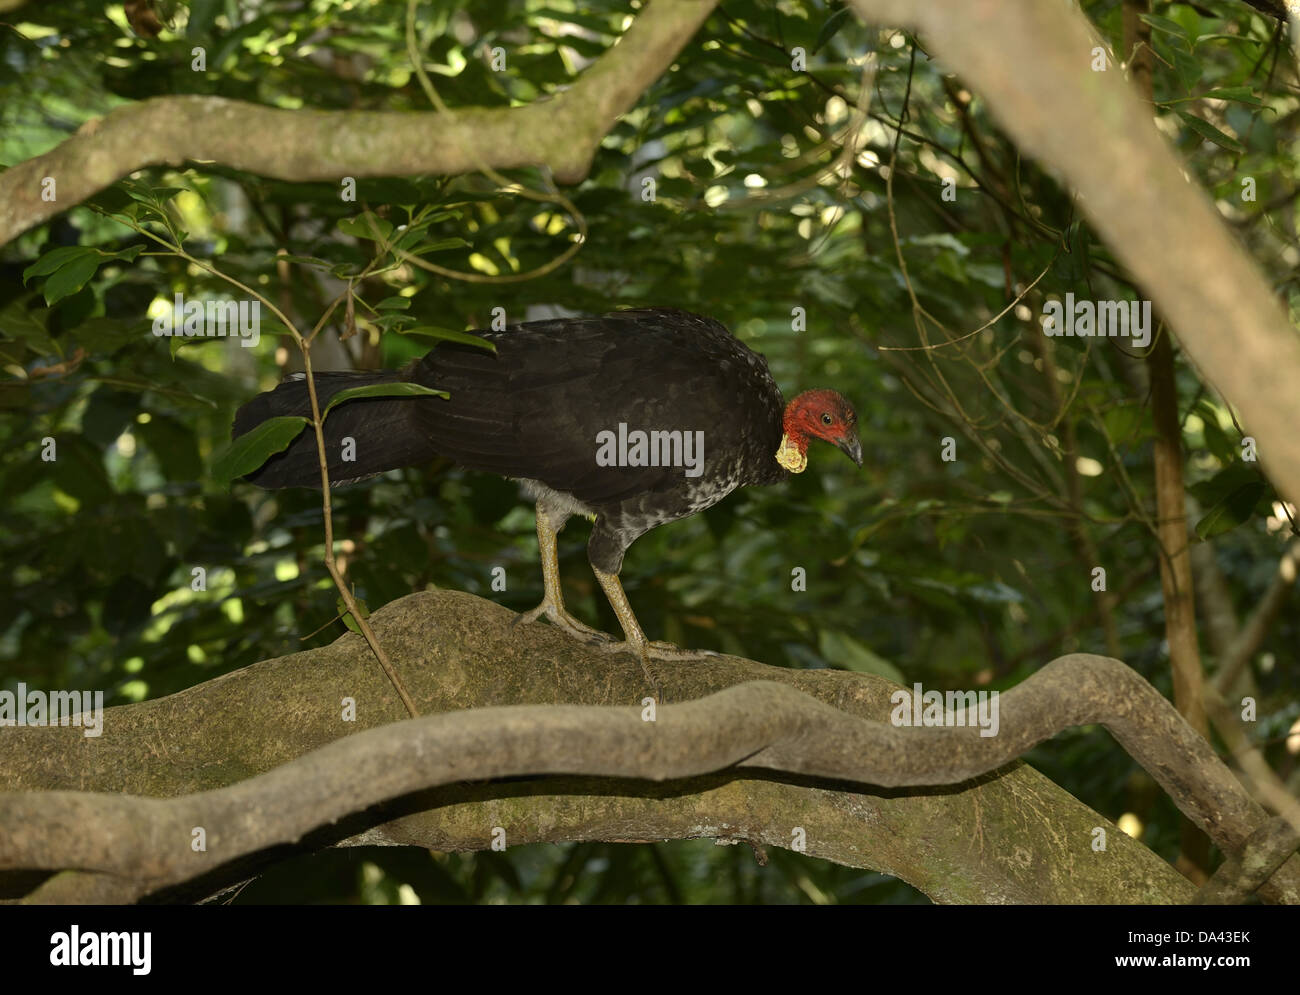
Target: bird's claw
[561,619]
[657,650]
[528,617]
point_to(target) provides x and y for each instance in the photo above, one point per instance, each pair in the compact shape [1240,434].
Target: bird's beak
[852,448]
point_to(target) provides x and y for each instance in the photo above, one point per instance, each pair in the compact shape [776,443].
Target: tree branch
[562,132]
[735,764]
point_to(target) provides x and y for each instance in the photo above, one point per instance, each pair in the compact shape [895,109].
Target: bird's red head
[818,414]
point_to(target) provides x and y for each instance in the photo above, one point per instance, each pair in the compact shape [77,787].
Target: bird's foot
[646,650]
[660,650]
[563,620]
[656,650]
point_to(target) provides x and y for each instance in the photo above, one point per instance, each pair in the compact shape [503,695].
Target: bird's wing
[535,407]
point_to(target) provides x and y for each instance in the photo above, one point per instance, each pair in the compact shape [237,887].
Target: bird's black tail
[363,437]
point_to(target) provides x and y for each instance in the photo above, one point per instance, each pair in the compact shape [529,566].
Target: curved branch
[767,725]
[562,133]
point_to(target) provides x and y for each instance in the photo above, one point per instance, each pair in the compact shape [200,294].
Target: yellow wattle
[790,457]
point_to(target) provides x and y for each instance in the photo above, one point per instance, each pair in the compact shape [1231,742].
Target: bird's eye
[826,418]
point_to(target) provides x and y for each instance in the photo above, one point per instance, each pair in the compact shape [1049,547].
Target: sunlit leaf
[382,390]
[246,453]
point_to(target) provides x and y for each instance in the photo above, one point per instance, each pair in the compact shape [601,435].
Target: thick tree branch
[562,133]
[970,842]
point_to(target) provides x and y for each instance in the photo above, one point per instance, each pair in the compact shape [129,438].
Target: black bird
[633,419]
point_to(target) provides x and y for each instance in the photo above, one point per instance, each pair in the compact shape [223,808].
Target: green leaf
[153,197]
[943,240]
[1187,67]
[113,200]
[1231,478]
[346,616]
[428,215]
[1168,26]
[1216,439]
[245,454]
[175,343]
[305,261]
[391,321]
[382,390]
[104,334]
[1233,510]
[368,225]
[56,258]
[440,245]
[831,28]
[1210,133]
[67,269]
[397,303]
[71,277]
[129,381]
[449,335]
[843,650]
[1241,94]
[17,322]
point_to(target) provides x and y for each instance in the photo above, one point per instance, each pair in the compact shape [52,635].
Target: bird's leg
[635,641]
[552,605]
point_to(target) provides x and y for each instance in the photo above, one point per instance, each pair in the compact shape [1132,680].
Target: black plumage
[535,409]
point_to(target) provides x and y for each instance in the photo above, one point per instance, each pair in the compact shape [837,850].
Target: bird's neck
[793,454]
